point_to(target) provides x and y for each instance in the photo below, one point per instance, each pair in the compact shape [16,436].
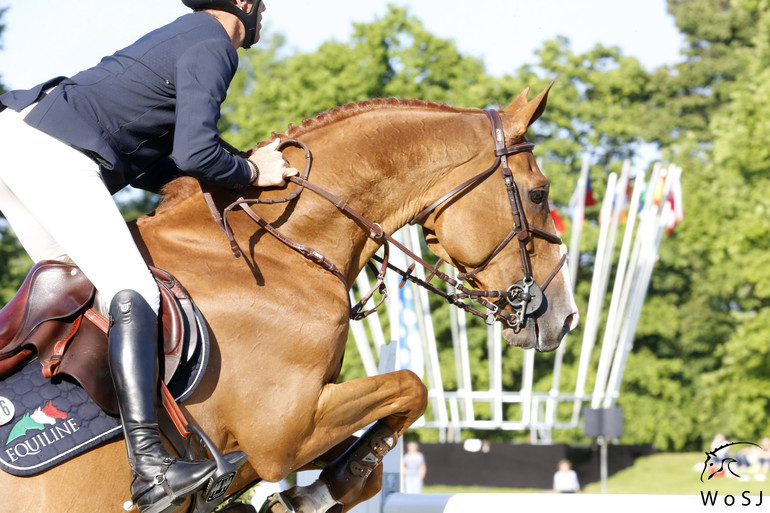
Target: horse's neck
[387,165]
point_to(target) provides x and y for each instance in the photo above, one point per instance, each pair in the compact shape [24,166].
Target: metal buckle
[377,236]
[492,315]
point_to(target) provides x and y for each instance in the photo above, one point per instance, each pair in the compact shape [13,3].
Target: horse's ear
[519,102]
[524,116]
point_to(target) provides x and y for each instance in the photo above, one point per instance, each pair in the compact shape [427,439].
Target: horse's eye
[538,195]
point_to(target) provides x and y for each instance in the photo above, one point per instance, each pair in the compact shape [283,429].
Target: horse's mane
[182,188]
[353,109]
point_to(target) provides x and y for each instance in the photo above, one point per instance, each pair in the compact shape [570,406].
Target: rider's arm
[203,76]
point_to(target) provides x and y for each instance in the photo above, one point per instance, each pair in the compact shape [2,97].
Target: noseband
[525,297]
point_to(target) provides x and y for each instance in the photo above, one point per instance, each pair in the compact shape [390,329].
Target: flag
[410,346]
[590,201]
[621,199]
[657,197]
[580,196]
[677,206]
[558,222]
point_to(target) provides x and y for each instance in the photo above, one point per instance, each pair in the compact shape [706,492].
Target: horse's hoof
[277,503]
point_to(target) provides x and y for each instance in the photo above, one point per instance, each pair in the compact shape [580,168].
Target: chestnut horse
[279,322]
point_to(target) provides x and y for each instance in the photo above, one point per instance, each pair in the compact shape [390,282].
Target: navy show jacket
[160,96]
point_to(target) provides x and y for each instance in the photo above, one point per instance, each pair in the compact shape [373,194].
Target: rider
[71,142]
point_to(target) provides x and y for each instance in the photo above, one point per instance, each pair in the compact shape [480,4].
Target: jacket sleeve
[203,74]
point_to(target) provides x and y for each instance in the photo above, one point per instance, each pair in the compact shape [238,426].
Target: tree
[701,341]
[738,276]
[709,295]
[392,56]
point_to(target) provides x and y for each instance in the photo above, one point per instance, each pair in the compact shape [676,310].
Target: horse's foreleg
[394,401]
[398,398]
[373,483]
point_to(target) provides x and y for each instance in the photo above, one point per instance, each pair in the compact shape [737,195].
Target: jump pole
[494,502]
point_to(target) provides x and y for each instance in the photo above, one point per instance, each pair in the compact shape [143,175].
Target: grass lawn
[659,474]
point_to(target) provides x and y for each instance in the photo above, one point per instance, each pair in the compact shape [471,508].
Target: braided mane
[353,109]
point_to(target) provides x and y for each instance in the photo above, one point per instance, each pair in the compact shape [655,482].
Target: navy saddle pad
[44,422]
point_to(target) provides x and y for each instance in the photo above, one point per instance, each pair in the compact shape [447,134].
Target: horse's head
[53,412]
[469,229]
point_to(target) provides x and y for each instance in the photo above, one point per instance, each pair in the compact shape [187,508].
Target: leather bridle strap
[518,297]
[423,215]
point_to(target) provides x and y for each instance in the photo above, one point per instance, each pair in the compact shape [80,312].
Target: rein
[525,297]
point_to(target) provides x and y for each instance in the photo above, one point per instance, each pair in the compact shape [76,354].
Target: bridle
[525,297]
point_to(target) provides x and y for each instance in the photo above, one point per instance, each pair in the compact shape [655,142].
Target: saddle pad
[44,422]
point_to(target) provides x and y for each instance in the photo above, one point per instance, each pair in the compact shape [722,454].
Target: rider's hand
[273,168]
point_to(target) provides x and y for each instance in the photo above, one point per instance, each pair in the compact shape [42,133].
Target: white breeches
[54,198]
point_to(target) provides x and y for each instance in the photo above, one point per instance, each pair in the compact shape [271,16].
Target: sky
[47,38]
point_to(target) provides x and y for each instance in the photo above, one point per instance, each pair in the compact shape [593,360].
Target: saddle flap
[173,320]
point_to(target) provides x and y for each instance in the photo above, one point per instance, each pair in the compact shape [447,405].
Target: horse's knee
[413,390]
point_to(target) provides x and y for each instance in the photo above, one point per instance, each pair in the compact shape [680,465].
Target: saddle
[53,317]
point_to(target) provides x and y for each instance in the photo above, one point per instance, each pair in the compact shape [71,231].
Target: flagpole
[577,212]
[617,305]
[595,299]
[462,356]
[642,234]
[428,337]
[631,320]
[578,217]
[653,220]
[618,206]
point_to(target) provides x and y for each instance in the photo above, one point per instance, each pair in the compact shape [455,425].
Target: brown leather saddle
[53,317]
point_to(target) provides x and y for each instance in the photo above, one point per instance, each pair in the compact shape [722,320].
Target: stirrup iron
[213,494]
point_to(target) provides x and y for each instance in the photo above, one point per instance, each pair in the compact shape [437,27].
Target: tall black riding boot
[159,483]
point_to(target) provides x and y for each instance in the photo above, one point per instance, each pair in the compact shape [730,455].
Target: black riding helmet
[248,19]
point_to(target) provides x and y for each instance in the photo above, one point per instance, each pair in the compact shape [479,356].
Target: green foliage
[709,295]
[700,356]
[392,56]
[14,264]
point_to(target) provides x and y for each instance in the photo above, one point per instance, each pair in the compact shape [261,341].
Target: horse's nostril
[572,321]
